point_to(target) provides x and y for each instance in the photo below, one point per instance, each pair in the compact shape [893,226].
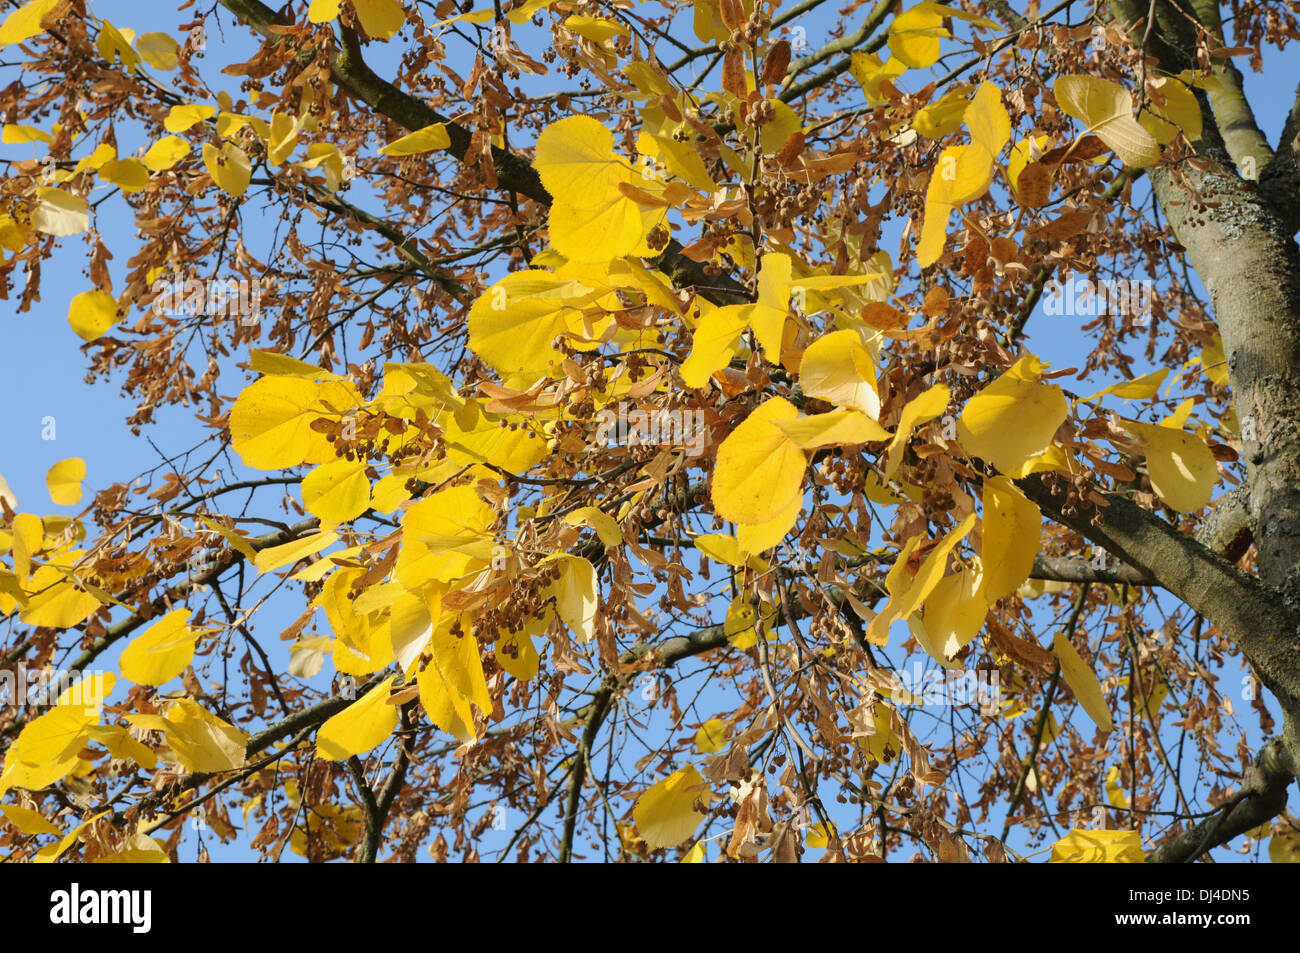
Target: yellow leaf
[1215,362]
[282,136]
[365,723]
[914,36]
[904,601]
[121,745]
[1014,418]
[327,155]
[575,596]
[1284,848]
[919,410]
[142,849]
[56,602]
[760,537]
[337,491]
[48,855]
[25,22]
[200,740]
[819,835]
[458,659]
[520,15]
[28,540]
[1114,789]
[1010,529]
[838,368]
[596,233]
[228,166]
[759,469]
[1022,154]
[445,706]
[428,139]
[1182,468]
[92,313]
[158,50]
[323,11]
[741,623]
[513,324]
[596,29]
[362,644]
[575,159]
[606,526]
[696,855]
[63,480]
[237,542]
[60,213]
[434,531]
[872,75]
[1082,681]
[517,654]
[727,550]
[934,230]
[1098,847]
[180,118]
[1180,112]
[270,423]
[987,120]
[665,814]
[714,343]
[276,557]
[161,652]
[88,693]
[165,153]
[115,45]
[712,736]
[380,18]
[721,548]
[954,614]
[681,160]
[27,821]
[270,362]
[962,174]
[944,116]
[17,135]
[98,156]
[1142,388]
[836,428]
[46,749]
[1106,108]
[767,317]
[882,745]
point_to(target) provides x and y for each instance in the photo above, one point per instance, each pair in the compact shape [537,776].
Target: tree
[611,486]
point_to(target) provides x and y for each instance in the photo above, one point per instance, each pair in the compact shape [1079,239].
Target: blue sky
[44,368]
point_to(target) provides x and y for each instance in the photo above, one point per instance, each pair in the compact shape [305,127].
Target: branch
[1262,797]
[1249,612]
[515,174]
[1067,569]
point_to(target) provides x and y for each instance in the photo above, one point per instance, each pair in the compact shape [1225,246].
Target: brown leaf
[1034,185]
[791,149]
[777,63]
[883,317]
[1025,654]
[1070,223]
[733,72]
[733,15]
